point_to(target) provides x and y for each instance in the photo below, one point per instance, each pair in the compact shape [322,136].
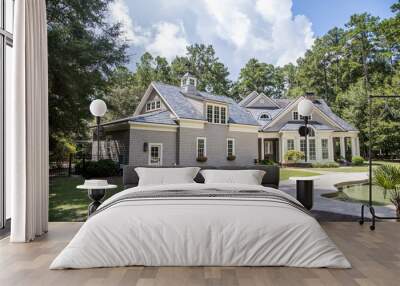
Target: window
[264,117]
[295,115]
[311,149]
[223,115]
[6,64]
[290,144]
[155,154]
[153,105]
[201,150]
[324,149]
[302,145]
[209,113]
[311,132]
[191,81]
[268,147]
[217,114]
[230,147]
[309,117]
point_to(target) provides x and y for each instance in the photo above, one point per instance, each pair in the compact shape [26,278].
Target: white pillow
[248,177]
[166,176]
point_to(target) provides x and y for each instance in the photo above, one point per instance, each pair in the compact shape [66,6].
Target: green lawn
[70,204]
[289,172]
[353,169]
[66,203]
[359,193]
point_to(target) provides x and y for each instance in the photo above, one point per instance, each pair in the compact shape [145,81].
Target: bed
[198,224]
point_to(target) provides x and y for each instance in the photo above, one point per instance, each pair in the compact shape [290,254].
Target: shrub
[357,160]
[266,162]
[97,169]
[231,158]
[294,156]
[201,159]
[325,165]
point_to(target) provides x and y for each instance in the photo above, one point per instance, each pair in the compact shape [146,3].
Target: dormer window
[216,114]
[153,105]
[264,117]
[296,116]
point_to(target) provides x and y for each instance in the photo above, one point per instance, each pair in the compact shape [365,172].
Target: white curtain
[27,124]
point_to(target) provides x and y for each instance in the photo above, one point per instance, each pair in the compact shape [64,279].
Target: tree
[260,77]
[83,51]
[201,61]
[123,95]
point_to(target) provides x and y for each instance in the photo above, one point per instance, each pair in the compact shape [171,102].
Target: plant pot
[231,158]
[201,159]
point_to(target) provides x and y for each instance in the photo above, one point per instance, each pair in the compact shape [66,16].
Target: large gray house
[183,126]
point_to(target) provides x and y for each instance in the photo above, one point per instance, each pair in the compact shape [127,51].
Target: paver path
[326,184]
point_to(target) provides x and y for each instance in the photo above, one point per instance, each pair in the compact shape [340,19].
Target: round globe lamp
[98,108]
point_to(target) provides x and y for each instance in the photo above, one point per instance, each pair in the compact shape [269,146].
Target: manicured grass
[66,203]
[359,193]
[286,173]
[354,169]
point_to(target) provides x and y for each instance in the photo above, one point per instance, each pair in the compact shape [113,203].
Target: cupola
[189,84]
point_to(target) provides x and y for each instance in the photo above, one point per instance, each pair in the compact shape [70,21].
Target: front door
[271,149]
[155,154]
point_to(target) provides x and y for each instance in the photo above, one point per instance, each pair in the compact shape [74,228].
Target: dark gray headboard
[271,177]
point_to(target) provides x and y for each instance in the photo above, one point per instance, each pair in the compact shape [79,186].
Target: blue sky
[274,31]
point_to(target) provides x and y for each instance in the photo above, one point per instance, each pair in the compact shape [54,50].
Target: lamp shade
[305,107]
[98,107]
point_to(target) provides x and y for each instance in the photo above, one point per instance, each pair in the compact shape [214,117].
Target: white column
[330,149]
[342,149]
[353,147]
[262,148]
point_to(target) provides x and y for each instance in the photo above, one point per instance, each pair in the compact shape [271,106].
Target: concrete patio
[326,183]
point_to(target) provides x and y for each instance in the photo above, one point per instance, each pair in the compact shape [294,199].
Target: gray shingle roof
[159,117]
[295,125]
[184,109]
[321,105]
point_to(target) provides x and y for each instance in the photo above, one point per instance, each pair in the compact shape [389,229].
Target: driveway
[325,183]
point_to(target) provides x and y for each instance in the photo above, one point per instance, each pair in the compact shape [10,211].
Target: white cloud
[238,29]
[119,13]
[169,41]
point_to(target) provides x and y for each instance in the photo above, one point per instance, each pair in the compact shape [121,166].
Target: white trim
[145,97]
[282,113]
[160,153]
[233,146]
[153,127]
[190,123]
[243,128]
[207,104]
[264,113]
[243,102]
[266,97]
[205,146]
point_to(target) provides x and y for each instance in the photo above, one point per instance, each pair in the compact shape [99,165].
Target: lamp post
[305,109]
[98,108]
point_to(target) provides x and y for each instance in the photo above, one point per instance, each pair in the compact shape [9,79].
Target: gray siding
[138,137]
[245,144]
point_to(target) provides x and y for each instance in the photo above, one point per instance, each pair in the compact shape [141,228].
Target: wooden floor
[375,257]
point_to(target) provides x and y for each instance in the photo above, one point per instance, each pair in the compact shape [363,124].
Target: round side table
[305,190]
[96,190]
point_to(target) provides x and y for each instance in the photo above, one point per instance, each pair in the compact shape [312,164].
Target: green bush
[294,156]
[266,162]
[97,169]
[357,161]
[326,165]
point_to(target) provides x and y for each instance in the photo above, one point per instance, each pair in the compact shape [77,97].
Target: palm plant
[388,177]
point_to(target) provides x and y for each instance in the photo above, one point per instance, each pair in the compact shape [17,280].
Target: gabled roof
[180,104]
[295,125]
[158,117]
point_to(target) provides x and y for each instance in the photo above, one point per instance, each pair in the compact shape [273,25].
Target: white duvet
[200,231]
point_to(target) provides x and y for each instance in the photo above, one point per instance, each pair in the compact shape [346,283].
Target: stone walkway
[326,184]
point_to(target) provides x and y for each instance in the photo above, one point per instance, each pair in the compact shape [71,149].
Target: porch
[321,146]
